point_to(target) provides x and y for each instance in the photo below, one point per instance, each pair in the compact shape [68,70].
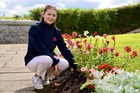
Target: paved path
[14,76]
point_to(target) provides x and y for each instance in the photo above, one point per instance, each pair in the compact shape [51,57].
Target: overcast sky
[20,7]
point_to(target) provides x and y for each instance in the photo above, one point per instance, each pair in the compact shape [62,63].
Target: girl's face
[49,16]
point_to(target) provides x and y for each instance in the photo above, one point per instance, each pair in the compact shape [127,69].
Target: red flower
[127,49]
[117,54]
[74,34]
[79,45]
[88,46]
[91,86]
[67,36]
[134,54]
[100,51]
[95,33]
[85,41]
[105,65]
[77,42]
[100,67]
[105,49]
[113,38]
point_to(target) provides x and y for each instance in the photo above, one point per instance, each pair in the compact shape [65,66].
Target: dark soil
[70,82]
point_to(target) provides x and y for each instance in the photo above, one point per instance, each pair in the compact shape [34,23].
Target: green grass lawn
[133,41]
[7,18]
[11,18]
[123,40]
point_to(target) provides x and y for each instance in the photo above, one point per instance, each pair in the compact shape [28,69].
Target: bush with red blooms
[93,53]
[94,50]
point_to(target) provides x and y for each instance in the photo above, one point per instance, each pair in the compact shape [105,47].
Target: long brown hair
[45,9]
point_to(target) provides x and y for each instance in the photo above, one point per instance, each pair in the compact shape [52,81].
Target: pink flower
[87,79]
[92,70]
[91,75]
[105,35]
[83,69]
[88,47]
[112,49]
[70,42]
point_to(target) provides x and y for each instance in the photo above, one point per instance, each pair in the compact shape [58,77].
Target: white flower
[86,33]
[97,37]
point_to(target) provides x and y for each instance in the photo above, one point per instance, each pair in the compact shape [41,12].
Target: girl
[40,58]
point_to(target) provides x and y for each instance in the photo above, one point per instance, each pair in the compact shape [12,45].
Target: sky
[21,7]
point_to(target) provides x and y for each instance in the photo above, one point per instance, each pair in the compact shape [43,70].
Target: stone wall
[14,32]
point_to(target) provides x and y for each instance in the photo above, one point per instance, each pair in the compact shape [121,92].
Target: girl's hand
[55,69]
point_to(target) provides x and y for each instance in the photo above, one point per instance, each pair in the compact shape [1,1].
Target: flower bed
[99,62]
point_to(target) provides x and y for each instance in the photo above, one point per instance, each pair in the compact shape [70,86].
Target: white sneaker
[37,82]
[46,81]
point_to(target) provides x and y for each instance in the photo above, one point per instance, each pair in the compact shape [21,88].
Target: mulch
[68,81]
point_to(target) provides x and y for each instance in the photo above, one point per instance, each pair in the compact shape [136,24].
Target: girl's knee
[46,61]
[63,64]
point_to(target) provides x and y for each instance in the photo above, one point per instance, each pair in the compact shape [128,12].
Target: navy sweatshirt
[43,39]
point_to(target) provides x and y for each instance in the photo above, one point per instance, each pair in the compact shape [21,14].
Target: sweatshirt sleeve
[37,43]
[65,51]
